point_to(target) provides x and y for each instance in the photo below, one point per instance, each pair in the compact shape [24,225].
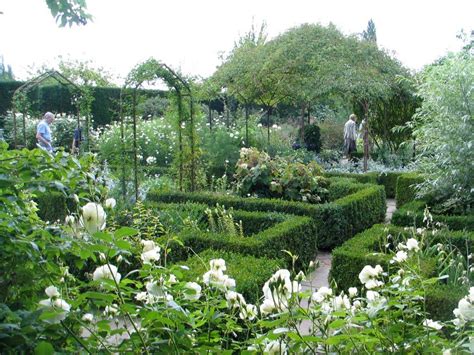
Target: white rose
[267,307]
[148,245]
[107,271]
[70,220]
[151,255]
[275,347]
[93,217]
[401,256]
[412,244]
[431,324]
[352,291]
[192,291]
[88,317]
[110,203]
[51,292]
[218,264]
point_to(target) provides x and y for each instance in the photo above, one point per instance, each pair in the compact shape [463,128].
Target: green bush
[405,190]
[370,178]
[365,249]
[295,234]
[54,206]
[312,138]
[335,222]
[249,272]
[412,214]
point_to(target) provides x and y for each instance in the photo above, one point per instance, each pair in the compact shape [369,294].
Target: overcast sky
[190,34]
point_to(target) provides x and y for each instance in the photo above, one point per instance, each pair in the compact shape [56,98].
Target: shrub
[367,249]
[444,129]
[406,188]
[334,222]
[312,138]
[295,234]
[257,174]
[249,272]
[54,206]
[412,214]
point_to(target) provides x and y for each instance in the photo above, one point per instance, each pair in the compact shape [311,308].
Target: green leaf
[122,244]
[125,232]
[104,236]
[44,348]
[337,323]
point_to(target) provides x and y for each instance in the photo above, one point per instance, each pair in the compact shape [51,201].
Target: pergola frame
[36,82]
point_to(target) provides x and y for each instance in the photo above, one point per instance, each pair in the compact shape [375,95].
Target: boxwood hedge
[250,273]
[412,214]
[405,190]
[332,223]
[364,249]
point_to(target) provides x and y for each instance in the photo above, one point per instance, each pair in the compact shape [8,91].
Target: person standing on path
[350,136]
[43,132]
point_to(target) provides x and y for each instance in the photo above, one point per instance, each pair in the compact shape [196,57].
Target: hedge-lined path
[391,207]
[320,276]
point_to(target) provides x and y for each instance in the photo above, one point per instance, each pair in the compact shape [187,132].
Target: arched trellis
[150,71]
[19,96]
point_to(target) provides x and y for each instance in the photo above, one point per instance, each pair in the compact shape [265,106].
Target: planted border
[364,249]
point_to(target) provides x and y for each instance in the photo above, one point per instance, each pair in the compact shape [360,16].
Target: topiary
[312,138]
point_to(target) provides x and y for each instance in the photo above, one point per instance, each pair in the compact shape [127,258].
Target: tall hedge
[405,191]
[57,98]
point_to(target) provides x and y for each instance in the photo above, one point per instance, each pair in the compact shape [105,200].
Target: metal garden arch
[150,71]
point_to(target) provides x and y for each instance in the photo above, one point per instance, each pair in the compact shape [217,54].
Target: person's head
[353,117]
[48,117]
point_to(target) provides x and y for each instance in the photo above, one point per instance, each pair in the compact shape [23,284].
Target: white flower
[148,245]
[412,244]
[111,310]
[110,203]
[93,217]
[107,271]
[243,166]
[368,274]
[372,296]
[259,125]
[465,310]
[352,291]
[172,279]
[218,264]
[275,126]
[275,347]
[248,311]
[56,305]
[119,258]
[75,198]
[141,296]
[322,294]
[70,220]
[431,324]
[150,160]
[341,302]
[51,292]
[192,291]
[400,257]
[234,299]
[229,283]
[267,307]
[151,255]
[88,317]
[102,257]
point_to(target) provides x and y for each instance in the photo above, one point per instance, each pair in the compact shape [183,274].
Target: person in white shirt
[43,132]
[350,136]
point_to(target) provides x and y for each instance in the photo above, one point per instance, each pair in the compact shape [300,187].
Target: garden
[189,219]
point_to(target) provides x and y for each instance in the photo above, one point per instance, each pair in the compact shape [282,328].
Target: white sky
[189,34]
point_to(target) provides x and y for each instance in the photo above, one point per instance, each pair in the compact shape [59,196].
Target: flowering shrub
[258,174]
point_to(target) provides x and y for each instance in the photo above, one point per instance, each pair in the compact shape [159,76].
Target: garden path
[320,276]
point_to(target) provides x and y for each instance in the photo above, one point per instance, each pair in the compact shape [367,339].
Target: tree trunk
[303,109]
[246,125]
[365,105]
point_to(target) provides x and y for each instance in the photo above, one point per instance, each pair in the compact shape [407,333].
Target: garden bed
[366,249]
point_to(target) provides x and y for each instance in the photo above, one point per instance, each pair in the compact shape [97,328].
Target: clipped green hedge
[295,234]
[53,206]
[405,190]
[364,249]
[412,214]
[334,222]
[250,273]
[387,179]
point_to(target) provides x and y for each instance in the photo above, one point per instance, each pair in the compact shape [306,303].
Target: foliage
[250,273]
[69,12]
[405,190]
[374,247]
[335,222]
[444,132]
[312,138]
[221,220]
[411,214]
[257,174]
